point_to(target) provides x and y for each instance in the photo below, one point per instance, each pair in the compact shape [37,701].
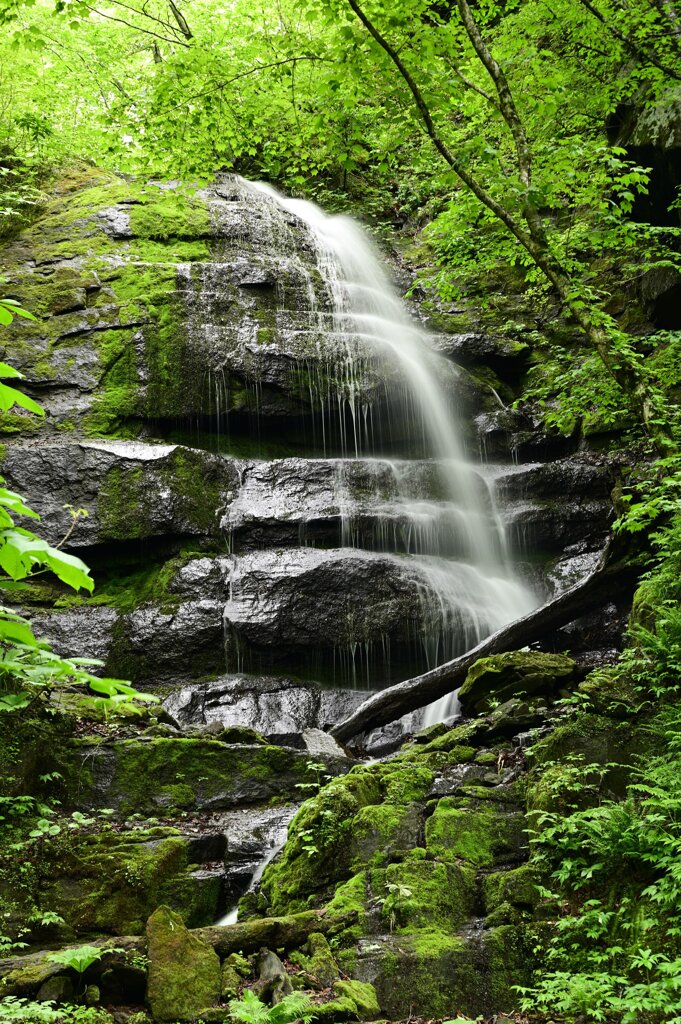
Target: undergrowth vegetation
[615,864]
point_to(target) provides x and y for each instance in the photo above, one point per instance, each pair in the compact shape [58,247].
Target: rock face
[184,971]
[149,775]
[208,406]
[271,536]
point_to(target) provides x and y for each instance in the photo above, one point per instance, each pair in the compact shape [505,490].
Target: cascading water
[454,547]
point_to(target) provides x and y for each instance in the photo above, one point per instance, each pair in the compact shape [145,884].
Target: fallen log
[23,975]
[273,932]
[390,704]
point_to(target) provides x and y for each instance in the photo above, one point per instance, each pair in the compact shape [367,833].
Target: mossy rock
[319,849]
[428,894]
[517,886]
[461,736]
[380,832]
[427,969]
[337,1010]
[170,774]
[184,971]
[352,897]
[321,964]
[481,835]
[512,674]
[610,691]
[111,882]
[363,995]
[583,741]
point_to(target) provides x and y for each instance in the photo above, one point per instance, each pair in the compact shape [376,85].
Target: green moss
[478,835]
[517,886]
[431,970]
[19,423]
[197,484]
[120,503]
[350,897]
[509,957]
[363,995]
[118,396]
[321,964]
[428,894]
[319,851]
[341,1009]
[129,500]
[381,831]
[111,883]
[406,783]
[460,754]
[460,735]
[184,971]
[169,213]
[166,772]
[516,672]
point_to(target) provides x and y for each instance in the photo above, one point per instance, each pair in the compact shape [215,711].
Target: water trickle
[450,533]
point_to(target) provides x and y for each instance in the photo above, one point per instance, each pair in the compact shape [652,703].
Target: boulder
[149,774]
[184,971]
[131,490]
[322,965]
[514,674]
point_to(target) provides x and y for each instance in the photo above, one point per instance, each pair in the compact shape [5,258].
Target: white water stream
[463,598]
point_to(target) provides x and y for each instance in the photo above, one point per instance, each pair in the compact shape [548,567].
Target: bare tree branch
[217,86]
[471,85]
[393,702]
[181,20]
[137,28]
[631,46]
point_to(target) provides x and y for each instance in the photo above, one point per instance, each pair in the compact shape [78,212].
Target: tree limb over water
[381,708]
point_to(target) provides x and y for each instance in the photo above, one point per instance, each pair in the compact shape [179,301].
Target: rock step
[341,616]
[135,491]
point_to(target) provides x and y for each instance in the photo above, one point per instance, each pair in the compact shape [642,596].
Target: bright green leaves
[10,502]
[79,958]
[21,551]
[9,308]
[39,670]
[9,396]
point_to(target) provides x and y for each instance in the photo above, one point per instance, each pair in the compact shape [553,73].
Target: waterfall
[455,547]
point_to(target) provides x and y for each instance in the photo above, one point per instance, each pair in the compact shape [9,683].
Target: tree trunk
[395,701]
[273,932]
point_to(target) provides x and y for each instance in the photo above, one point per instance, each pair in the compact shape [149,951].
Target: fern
[250,1010]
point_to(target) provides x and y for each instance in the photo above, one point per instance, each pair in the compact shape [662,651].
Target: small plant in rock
[79,958]
[250,1010]
[320,777]
[395,901]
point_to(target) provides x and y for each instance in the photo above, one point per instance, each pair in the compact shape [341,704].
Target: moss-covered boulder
[476,832]
[111,882]
[161,301]
[517,673]
[151,774]
[321,964]
[184,971]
